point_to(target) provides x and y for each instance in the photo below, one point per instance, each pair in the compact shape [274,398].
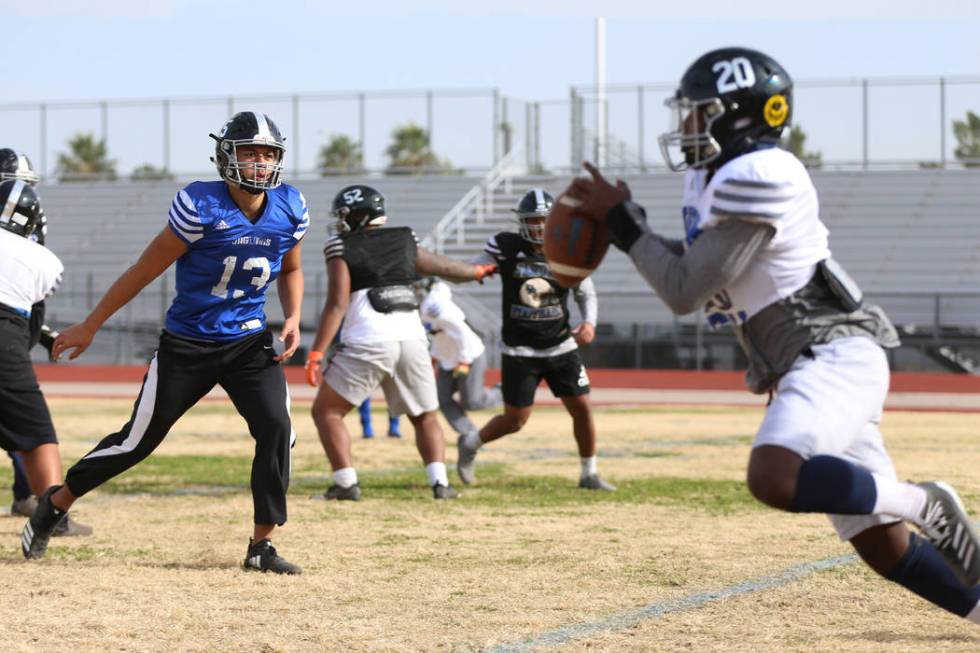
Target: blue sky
[535,50]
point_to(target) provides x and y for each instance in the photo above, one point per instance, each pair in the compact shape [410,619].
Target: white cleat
[945,524]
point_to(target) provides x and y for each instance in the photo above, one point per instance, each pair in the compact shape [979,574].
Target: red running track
[600,378]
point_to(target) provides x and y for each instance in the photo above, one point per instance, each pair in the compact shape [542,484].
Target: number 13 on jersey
[257,280]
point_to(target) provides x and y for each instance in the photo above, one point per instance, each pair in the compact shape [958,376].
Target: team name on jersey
[536,314]
[529,270]
[253,240]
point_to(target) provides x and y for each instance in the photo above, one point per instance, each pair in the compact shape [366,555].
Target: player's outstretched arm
[338,297]
[290,287]
[588,305]
[718,257]
[432,264]
[157,257]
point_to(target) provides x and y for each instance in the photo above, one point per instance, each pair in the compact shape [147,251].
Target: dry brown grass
[162,572]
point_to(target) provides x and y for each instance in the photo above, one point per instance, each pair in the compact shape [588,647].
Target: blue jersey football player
[230,239]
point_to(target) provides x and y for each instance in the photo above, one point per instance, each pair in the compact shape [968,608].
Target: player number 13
[260,262]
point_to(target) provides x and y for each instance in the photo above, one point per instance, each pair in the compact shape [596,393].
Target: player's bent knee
[771,487]
[772,475]
[515,421]
[424,420]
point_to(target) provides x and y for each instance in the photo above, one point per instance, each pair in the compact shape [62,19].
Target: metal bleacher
[99,229]
[911,239]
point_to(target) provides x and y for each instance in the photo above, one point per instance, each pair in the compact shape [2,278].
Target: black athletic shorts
[520,376]
[25,421]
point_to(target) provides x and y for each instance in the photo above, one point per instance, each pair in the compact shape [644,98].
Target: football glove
[484,271]
[314,372]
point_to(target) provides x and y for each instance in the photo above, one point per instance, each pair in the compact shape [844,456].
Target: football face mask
[690,144]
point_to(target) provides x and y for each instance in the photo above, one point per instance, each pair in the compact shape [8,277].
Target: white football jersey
[363,324]
[453,341]
[771,187]
[28,272]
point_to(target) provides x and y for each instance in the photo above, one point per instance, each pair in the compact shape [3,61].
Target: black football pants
[181,372]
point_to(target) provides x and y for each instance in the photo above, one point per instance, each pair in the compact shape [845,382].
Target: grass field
[680,558]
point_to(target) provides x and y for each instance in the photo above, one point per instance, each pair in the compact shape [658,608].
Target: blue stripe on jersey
[303,226]
[191,210]
[304,221]
[191,220]
[184,219]
[184,225]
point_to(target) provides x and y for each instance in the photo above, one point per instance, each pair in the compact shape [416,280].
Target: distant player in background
[29,272]
[460,357]
[371,271]
[16,166]
[367,428]
[538,342]
[230,238]
[756,256]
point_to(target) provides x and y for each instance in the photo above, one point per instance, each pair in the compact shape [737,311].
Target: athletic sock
[436,473]
[364,410]
[393,425]
[923,571]
[590,466]
[472,440]
[905,500]
[345,477]
[833,485]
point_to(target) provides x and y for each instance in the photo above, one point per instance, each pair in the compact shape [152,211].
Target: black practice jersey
[377,257]
[535,307]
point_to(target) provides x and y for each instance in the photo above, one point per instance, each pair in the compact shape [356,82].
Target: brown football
[574,243]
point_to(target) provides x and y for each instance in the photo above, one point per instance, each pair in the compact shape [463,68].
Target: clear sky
[114,49]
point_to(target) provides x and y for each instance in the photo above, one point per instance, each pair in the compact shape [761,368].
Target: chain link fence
[849,123]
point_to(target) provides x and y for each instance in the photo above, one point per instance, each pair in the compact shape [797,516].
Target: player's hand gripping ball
[574,242]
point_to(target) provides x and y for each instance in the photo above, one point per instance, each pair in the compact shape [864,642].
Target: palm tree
[795,141]
[410,152]
[87,159]
[967,133]
[341,156]
[149,172]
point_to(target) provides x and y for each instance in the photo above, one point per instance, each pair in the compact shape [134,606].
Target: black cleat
[42,524]
[262,556]
[440,491]
[338,493]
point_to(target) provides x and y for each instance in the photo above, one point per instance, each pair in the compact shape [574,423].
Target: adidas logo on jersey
[222,225]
